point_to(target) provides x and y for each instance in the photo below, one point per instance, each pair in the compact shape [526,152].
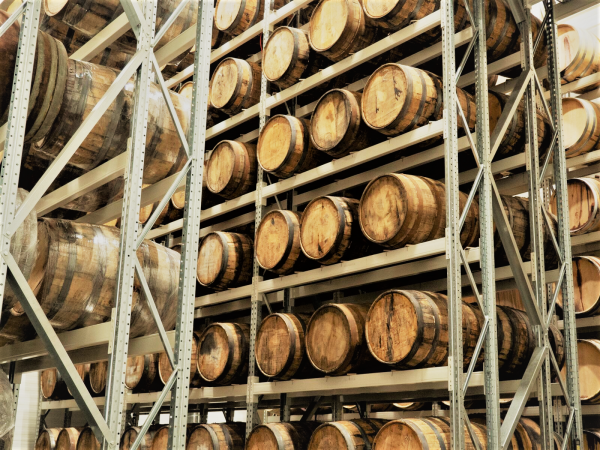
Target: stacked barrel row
[395,210]
[72,269]
[230,436]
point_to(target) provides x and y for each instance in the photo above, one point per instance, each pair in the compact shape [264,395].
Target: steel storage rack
[140,17]
[87,344]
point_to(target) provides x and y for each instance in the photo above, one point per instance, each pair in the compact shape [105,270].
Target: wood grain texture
[130,435]
[586,283]
[160,441]
[235,85]
[581,126]
[286,56]
[284,147]
[330,232]
[398,209]
[231,169]
[281,436]
[278,242]
[584,205]
[141,373]
[98,376]
[47,439]
[339,28]
[87,440]
[591,439]
[67,439]
[578,54]
[225,436]
[336,125]
[345,434]
[223,353]
[588,352]
[225,260]
[233,17]
[53,386]
[280,347]
[335,340]
[83,370]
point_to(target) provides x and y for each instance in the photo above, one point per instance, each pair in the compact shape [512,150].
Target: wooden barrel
[284,147]
[278,242]
[410,406]
[335,340]
[395,14]
[67,438]
[581,126]
[591,439]
[98,376]
[513,141]
[131,434]
[588,352]
[231,169]
[29,255]
[339,28]
[398,98]
[409,329]
[79,282]
[345,434]
[85,85]
[217,436]
[280,347]
[223,353]
[165,370]
[586,282]
[281,436]
[47,439]
[53,386]
[87,440]
[397,209]
[233,17]
[336,125]
[584,205]
[287,56]
[83,370]
[431,433]
[516,210]
[235,85]
[160,440]
[578,54]
[225,260]
[141,374]
[329,231]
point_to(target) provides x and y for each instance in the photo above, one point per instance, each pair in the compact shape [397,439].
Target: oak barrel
[431,433]
[281,436]
[53,386]
[47,439]
[217,436]
[165,370]
[588,352]
[98,376]
[339,28]
[141,373]
[345,434]
[284,147]
[400,98]
[67,438]
[235,85]
[336,342]
[79,282]
[410,406]
[330,232]
[28,250]
[591,439]
[586,283]
[578,54]
[130,435]
[233,17]
[409,329]
[83,370]
[516,210]
[278,242]
[581,126]
[397,209]
[584,205]
[231,169]
[86,83]
[280,347]
[225,260]
[223,353]
[336,125]
[287,56]
[87,440]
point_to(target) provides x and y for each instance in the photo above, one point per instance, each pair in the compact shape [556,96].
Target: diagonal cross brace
[65,366]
